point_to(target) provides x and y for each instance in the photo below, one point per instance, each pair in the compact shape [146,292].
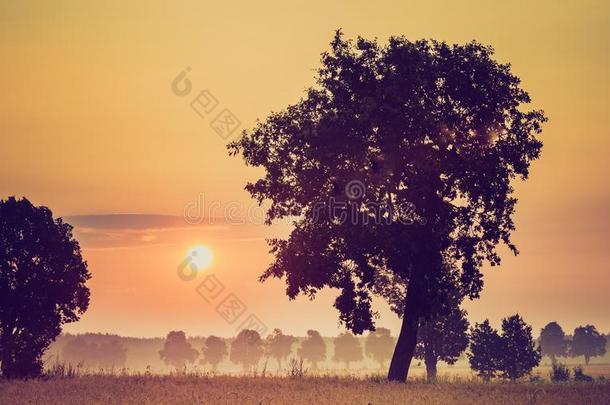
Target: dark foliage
[588,342]
[42,284]
[433,134]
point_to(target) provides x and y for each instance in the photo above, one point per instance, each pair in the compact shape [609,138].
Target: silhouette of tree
[313,348]
[588,342]
[177,351]
[111,353]
[42,284]
[442,338]
[80,351]
[511,355]
[379,345]
[553,342]
[247,349]
[519,354]
[485,348]
[398,165]
[279,346]
[214,351]
[347,349]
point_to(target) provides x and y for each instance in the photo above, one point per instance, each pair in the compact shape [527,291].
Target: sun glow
[201,256]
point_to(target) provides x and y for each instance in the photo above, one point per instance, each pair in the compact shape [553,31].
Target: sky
[91,127]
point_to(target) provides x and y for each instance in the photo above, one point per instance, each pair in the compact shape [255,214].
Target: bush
[579,375]
[560,372]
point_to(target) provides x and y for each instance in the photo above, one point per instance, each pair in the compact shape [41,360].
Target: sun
[201,257]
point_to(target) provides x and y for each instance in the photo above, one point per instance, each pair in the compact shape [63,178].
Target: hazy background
[89,125]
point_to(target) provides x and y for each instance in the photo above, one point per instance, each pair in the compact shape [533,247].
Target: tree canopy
[587,342]
[379,345]
[553,342]
[177,351]
[279,346]
[347,349]
[443,337]
[42,284]
[247,349]
[214,351]
[397,169]
[313,348]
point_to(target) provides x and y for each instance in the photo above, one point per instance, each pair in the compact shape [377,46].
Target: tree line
[510,353]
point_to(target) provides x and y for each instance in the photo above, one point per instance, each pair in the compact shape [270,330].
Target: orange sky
[89,125]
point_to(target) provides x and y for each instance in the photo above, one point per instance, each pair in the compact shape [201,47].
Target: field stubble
[202,389]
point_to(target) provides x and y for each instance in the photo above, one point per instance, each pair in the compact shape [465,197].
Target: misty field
[150,389]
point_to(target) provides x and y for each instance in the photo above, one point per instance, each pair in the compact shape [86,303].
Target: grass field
[176,389]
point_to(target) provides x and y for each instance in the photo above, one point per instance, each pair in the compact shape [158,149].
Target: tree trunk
[407,339]
[430,360]
[587,358]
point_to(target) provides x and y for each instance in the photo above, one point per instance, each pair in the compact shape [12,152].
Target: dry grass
[201,389]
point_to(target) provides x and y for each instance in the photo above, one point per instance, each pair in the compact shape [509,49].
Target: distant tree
[519,354]
[177,351]
[42,284]
[80,351]
[279,346]
[587,342]
[347,349]
[379,345]
[214,351]
[107,353]
[313,348]
[442,338]
[485,348]
[553,342]
[247,349]
[111,353]
[392,135]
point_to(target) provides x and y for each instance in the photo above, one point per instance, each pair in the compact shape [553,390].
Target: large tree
[553,342]
[587,342]
[396,166]
[42,284]
[443,337]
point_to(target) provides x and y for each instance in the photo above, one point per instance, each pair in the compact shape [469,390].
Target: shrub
[560,372]
[579,375]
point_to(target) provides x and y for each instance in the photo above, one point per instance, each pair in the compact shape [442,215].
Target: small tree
[519,354]
[347,349]
[443,338]
[588,342]
[42,284]
[247,349]
[553,342]
[485,347]
[313,348]
[214,351]
[279,346]
[379,345]
[177,351]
